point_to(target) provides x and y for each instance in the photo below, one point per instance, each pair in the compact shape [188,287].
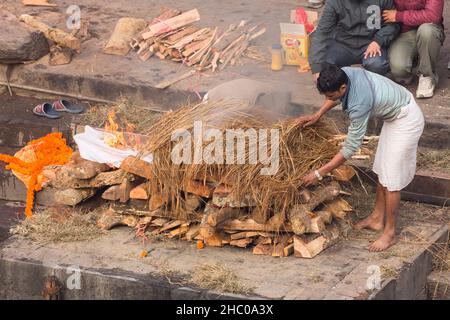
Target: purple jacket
[413,13]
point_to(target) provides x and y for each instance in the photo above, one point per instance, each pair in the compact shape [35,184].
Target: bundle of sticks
[172,36]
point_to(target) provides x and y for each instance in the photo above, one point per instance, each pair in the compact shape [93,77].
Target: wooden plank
[171,40]
[159,222]
[251,225]
[171,225]
[176,22]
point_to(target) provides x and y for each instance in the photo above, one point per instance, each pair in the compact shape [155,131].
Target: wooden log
[176,22]
[327,216]
[180,44]
[263,249]
[156,201]
[241,243]
[298,215]
[338,207]
[124,190]
[312,248]
[67,197]
[140,192]
[56,35]
[215,240]
[171,225]
[124,31]
[87,169]
[317,225]
[172,39]
[137,166]
[221,215]
[194,47]
[39,3]
[251,225]
[249,234]
[159,222]
[112,193]
[198,188]
[104,179]
[179,232]
[278,250]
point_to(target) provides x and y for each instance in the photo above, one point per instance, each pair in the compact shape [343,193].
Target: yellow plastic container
[277,57]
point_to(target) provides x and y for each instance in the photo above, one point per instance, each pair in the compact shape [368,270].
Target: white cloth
[396,156]
[92,147]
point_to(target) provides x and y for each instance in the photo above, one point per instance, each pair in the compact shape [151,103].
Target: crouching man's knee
[428,32]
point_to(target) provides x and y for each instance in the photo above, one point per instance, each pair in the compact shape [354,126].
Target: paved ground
[95,74]
[340,272]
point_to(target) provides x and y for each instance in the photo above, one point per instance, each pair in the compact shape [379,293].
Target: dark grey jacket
[351,22]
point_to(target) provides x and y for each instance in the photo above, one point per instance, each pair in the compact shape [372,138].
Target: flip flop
[46,110]
[67,106]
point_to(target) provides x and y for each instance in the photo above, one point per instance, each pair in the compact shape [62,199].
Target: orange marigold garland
[29,162]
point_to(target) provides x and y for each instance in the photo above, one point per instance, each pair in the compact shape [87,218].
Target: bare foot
[382,243]
[372,222]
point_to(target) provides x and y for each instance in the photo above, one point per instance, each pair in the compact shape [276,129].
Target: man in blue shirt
[364,95]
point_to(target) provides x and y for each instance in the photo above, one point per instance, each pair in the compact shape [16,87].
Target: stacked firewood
[172,36]
[215,216]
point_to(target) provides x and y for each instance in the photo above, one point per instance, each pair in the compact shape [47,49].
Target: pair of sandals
[53,110]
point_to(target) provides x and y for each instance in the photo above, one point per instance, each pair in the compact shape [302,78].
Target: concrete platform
[111,269]
[98,75]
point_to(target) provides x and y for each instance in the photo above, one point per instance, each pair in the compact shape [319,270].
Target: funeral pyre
[201,187]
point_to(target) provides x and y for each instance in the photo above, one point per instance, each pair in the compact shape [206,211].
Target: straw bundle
[300,150]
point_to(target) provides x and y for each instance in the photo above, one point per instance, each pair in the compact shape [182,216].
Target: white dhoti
[396,157]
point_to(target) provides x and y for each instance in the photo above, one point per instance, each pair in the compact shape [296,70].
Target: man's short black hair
[331,78]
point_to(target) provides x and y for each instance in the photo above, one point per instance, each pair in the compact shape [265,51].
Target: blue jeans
[344,56]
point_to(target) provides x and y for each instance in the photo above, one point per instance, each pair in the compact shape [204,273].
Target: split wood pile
[173,36]
[218,204]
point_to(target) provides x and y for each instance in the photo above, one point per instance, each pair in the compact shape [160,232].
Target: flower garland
[49,150]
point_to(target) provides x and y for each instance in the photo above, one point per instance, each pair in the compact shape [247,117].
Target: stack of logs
[172,36]
[215,217]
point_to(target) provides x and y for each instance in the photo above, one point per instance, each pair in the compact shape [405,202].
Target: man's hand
[316,77]
[373,50]
[389,16]
[307,121]
[310,179]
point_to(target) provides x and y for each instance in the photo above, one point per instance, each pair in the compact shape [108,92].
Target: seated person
[352,32]
[421,39]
